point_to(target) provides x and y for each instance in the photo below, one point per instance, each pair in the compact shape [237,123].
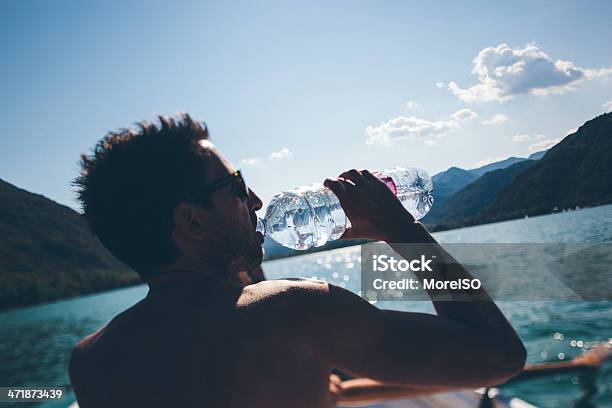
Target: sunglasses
[240,188]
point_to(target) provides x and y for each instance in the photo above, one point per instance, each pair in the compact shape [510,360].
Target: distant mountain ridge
[575,172]
[47,252]
[447,183]
[502,164]
[537,155]
[463,207]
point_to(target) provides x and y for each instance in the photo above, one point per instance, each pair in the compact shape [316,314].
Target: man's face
[231,221]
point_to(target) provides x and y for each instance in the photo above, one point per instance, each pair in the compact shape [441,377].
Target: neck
[185,268]
[197,266]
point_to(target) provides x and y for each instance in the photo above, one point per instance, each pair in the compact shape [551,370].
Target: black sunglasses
[241,190]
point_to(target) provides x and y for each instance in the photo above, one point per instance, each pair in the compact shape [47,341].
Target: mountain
[47,252]
[449,182]
[495,166]
[273,250]
[575,172]
[537,155]
[467,204]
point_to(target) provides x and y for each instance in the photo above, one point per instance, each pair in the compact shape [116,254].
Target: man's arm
[468,344]
[365,391]
[360,391]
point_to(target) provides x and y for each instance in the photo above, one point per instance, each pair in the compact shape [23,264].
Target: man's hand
[595,357]
[335,388]
[358,392]
[591,360]
[374,211]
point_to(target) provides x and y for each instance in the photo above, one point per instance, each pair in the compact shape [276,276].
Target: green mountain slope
[449,182]
[47,252]
[468,203]
[575,172]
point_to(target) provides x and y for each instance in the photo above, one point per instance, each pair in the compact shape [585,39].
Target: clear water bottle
[310,216]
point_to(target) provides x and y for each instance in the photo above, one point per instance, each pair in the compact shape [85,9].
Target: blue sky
[296,91]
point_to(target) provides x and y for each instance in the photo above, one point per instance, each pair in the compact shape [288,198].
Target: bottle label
[388,182]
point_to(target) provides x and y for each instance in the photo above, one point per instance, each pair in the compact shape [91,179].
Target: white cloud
[504,72]
[440,85]
[543,145]
[598,73]
[520,138]
[406,128]
[284,153]
[526,138]
[464,114]
[570,131]
[489,160]
[411,104]
[413,128]
[608,106]
[251,161]
[495,119]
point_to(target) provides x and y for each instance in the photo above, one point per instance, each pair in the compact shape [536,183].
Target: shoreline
[338,245]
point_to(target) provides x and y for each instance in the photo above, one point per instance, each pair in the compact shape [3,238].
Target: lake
[35,342]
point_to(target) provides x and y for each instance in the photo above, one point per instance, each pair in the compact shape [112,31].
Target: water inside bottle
[305,217]
[290,220]
[310,216]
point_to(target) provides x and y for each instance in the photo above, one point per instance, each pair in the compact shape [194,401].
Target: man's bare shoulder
[79,366]
[110,333]
[285,291]
[309,298]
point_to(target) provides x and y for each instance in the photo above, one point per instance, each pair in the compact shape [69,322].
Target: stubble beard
[241,251]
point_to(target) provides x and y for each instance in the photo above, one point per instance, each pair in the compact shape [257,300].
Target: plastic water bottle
[310,216]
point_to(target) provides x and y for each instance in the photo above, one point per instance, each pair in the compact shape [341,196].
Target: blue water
[35,341]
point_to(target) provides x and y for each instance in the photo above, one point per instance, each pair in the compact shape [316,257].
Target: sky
[293,92]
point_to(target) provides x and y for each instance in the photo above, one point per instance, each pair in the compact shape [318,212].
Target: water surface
[35,342]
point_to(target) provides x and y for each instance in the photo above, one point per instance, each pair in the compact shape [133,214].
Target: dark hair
[129,185]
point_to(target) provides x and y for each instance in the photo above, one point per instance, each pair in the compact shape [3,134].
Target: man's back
[197,342]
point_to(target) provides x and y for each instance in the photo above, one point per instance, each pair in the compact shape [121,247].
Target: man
[166,202]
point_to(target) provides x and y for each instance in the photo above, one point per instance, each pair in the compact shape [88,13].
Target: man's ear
[187,222]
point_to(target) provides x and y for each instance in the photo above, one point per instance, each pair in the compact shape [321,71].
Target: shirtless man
[165,201]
